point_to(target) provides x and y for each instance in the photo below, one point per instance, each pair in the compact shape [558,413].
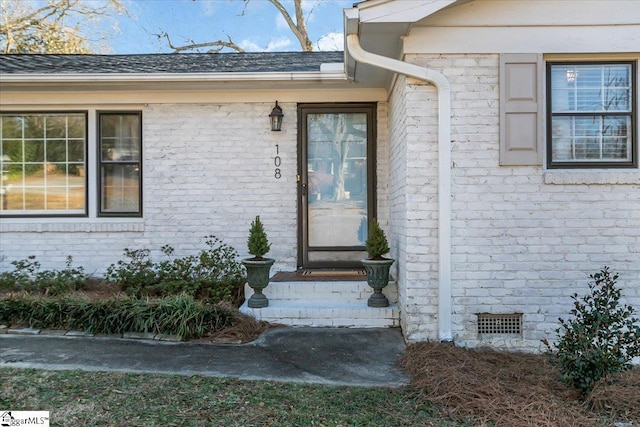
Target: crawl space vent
[499,324]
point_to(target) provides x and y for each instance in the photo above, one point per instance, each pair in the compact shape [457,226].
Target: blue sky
[261,28]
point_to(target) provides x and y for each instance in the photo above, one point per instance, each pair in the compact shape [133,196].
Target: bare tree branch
[298,28]
[218,45]
[44,29]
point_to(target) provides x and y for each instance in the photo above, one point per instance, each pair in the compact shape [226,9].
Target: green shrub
[376,244]
[175,315]
[27,276]
[214,274]
[258,243]
[600,340]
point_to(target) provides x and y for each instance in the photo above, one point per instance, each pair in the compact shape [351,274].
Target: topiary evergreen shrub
[258,243]
[376,244]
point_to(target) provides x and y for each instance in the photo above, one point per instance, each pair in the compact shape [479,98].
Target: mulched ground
[515,389]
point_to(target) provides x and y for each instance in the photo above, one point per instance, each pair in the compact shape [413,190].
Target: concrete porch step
[325,304]
[338,291]
[296,313]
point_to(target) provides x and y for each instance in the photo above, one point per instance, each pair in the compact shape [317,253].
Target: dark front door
[336,183]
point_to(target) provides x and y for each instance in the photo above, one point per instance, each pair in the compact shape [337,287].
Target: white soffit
[492,13]
[381,11]
[380,25]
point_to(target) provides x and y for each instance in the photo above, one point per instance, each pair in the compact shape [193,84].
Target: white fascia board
[399,10]
[331,74]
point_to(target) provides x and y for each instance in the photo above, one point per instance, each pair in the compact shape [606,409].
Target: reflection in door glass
[337,179]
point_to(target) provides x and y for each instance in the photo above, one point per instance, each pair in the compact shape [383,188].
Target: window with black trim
[591,115]
[43,164]
[120,150]
[46,162]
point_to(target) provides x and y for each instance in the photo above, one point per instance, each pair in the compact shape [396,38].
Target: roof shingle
[255,62]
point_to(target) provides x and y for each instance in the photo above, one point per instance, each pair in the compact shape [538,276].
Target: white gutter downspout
[444,168]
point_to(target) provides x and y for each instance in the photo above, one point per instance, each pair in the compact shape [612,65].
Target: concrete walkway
[359,357]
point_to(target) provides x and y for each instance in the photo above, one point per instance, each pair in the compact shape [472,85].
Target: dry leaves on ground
[514,389]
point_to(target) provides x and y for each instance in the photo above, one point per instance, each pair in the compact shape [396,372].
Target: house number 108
[277,161]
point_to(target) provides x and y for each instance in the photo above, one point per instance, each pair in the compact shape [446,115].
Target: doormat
[319,276]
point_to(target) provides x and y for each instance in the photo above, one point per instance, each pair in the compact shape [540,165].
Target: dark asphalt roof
[256,62]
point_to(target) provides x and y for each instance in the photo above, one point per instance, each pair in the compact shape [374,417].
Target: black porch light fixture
[276,118]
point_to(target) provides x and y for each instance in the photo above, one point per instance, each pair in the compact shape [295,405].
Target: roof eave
[330,75]
[394,19]
[396,11]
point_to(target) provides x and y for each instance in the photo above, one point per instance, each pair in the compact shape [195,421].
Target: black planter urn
[377,277]
[258,278]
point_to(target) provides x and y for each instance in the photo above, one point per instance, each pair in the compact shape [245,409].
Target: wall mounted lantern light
[276,118]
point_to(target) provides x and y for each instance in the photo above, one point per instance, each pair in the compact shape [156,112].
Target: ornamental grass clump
[376,244]
[181,314]
[258,243]
[600,340]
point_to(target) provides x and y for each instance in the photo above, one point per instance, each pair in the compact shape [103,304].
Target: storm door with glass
[337,183]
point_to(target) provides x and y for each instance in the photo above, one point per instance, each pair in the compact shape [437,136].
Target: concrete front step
[296,313]
[325,304]
[339,292]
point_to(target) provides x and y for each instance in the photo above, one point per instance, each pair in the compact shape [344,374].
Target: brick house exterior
[513,233]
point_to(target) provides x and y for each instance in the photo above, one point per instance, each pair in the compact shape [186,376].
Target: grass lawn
[76,398]
[448,383]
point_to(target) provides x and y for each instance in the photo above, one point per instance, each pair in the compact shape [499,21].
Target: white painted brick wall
[413,208]
[397,205]
[208,169]
[216,161]
[524,239]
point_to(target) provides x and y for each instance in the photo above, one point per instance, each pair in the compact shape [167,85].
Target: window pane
[120,148]
[56,150]
[12,127]
[591,138]
[617,100]
[56,127]
[120,137]
[591,117]
[591,88]
[120,188]
[76,126]
[38,175]
[616,138]
[108,125]
[76,150]
[11,150]
[337,171]
[34,150]
[34,127]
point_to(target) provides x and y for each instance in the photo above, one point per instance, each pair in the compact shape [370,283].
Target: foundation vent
[499,324]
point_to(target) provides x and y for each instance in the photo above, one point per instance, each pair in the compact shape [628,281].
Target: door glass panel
[337,179]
